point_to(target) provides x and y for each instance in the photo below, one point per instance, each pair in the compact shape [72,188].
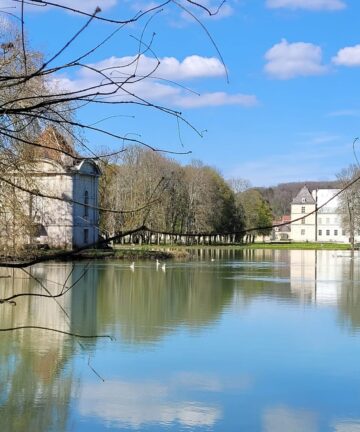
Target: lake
[255,340]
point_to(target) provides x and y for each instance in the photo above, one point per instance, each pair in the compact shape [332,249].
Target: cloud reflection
[134,403]
[282,418]
[347,426]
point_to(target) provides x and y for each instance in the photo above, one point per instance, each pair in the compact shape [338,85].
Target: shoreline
[184,251]
[164,252]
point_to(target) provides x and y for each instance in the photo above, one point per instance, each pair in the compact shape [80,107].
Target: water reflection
[146,304]
[35,390]
[124,403]
[189,340]
[322,276]
[283,418]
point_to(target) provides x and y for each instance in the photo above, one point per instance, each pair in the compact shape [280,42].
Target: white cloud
[307,4]
[137,404]
[289,60]
[348,56]
[161,87]
[193,66]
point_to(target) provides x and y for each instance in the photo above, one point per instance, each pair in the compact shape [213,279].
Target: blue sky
[290,110]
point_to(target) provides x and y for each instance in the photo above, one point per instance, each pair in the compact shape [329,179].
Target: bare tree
[239,184]
[34,99]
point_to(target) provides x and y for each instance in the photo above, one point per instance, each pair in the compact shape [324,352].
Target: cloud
[289,60]
[170,68]
[307,4]
[136,404]
[163,86]
[348,56]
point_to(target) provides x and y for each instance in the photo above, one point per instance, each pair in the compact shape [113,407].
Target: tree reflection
[148,303]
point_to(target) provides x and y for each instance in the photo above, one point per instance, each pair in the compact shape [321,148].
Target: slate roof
[304,197]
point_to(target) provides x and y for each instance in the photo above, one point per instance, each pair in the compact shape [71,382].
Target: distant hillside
[280,196]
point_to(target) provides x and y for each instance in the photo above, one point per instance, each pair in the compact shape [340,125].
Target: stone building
[324,224]
[71,219]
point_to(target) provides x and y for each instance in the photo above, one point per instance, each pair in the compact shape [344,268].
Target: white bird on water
[157,264]
[132,266]
[163,267]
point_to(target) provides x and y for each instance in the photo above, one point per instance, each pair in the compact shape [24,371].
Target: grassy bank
[135,253]
[298,246]
[163,252]
[182,251]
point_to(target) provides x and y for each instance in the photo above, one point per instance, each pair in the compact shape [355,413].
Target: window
[303,209]
[303,221]
[86,236]
[319,220]
[320,232]
[343,232]
[302,232]
[336,232]
[86,203]
[327,221]
[303,200]
[327,232]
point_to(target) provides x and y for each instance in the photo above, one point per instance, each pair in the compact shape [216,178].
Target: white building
[70,219]
[317,217]
[73,220]
[304,227]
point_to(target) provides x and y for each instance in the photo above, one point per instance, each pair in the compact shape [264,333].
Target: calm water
[253,341]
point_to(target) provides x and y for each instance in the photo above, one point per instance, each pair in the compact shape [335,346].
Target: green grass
[300,246]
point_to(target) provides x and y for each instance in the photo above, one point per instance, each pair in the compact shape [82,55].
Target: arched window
[86,203]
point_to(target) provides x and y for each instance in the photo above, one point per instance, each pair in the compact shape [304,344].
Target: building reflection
[321,276]
[328,278]
[36,376]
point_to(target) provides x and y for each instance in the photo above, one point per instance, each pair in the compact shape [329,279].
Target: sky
[284,108]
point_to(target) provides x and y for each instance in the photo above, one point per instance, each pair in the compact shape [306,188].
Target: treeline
[149,188]
[279,197]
